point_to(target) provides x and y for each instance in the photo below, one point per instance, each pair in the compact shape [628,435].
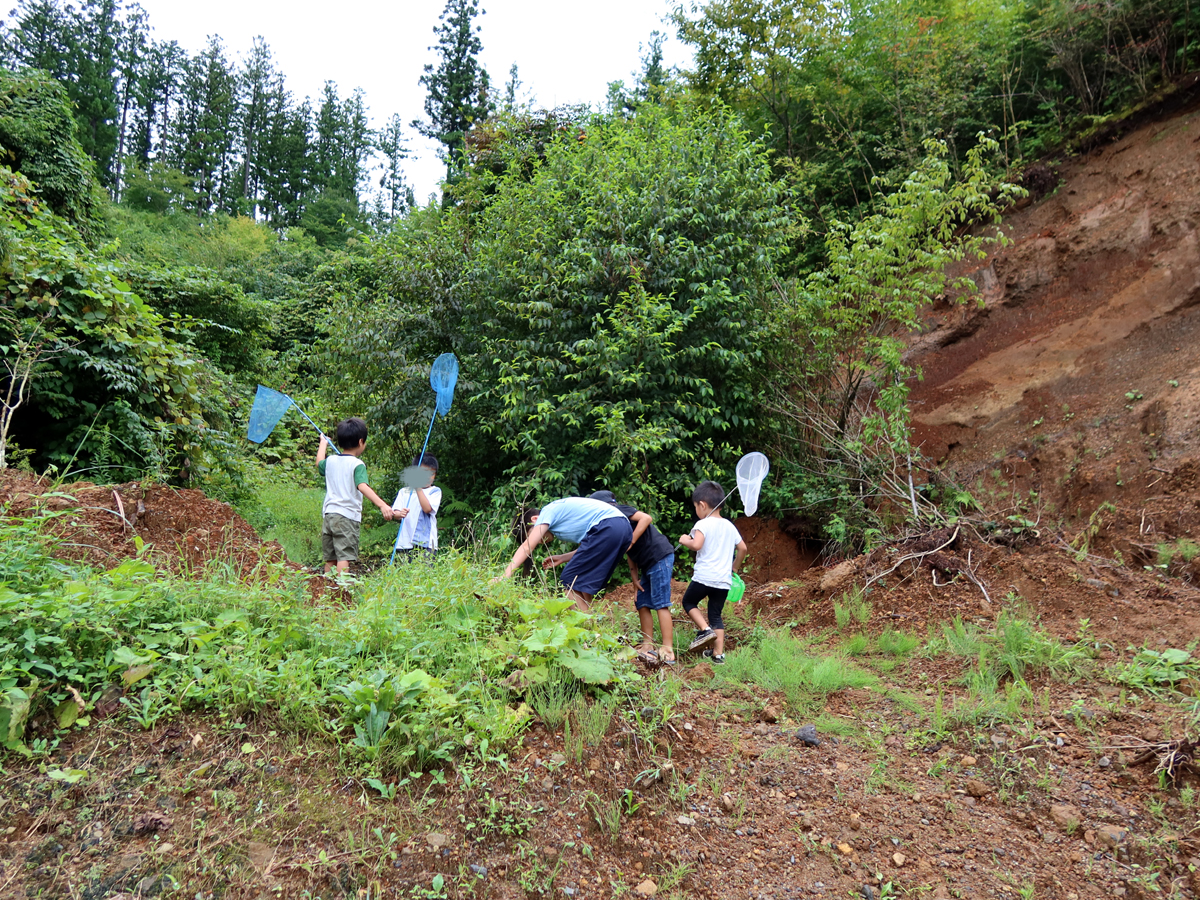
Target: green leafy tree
[458,87]
[606,297]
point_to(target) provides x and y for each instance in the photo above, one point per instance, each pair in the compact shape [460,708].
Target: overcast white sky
[566,51]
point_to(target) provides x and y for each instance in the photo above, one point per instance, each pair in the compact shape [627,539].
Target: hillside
[1077,378]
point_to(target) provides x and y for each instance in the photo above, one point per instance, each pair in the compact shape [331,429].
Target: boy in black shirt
[651,560]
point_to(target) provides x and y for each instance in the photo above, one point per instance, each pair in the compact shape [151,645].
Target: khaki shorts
[339,538]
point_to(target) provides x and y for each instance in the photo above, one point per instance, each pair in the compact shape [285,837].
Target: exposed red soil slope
[1079,376]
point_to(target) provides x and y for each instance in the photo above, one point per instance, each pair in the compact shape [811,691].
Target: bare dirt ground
[1070,405]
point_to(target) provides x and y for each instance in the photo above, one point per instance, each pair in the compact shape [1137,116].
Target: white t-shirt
[343,474]
[418,528]
[714,562]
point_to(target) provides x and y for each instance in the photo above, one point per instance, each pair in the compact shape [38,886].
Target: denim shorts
[656,585]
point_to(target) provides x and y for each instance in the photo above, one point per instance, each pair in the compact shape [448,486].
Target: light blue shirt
[573,517]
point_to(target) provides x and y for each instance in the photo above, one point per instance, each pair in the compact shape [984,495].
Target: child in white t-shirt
[719,551]
[418,525]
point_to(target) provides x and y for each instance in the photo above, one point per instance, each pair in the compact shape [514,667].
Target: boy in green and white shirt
[345,486]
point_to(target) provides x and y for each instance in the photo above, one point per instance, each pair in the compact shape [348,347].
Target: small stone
[1111,835]
[1104,762]
[999,740]
[1065,816]
[686,821]
[868,892]
[977,788]
[646,889]
[769,714]
[480,871]
[855,821]
[845,849]
[727,802]
[808,821]
[547,784]
[687,726]
[436,840]
[557,759]
[568,892]
[968,761]
[899,858]
[807,735]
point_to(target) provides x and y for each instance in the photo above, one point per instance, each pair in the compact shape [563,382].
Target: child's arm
[426,506]
[557,560]
[641,521]
[739,554]
[366,490]
[633,574]
[692,543]
[537,534]
[321,448]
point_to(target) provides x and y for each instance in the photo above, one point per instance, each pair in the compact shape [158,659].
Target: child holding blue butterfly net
[416,507]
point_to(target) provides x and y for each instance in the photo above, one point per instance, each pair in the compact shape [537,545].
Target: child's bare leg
[646,620]
[668,633]
[719,646]
[343,566]
[698,617]
[580,599]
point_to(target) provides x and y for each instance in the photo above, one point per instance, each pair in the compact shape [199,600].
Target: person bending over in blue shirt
[602,532]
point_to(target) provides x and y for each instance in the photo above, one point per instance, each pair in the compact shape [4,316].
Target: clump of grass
[852,607]
[781,662]
[1013,648]
[896,643]
[552,699]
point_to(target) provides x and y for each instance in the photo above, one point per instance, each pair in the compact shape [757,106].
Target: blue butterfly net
[442,378]
[269,407]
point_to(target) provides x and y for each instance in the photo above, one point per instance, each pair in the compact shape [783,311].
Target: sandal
[649,657]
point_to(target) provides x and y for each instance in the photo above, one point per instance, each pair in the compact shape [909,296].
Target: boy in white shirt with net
[719,551]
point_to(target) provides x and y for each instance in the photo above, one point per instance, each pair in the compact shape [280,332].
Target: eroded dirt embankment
[1078,375]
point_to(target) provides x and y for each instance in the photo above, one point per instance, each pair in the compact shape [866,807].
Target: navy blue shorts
[597,556]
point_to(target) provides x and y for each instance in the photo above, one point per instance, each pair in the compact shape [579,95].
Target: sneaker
[717,659]
[705,637]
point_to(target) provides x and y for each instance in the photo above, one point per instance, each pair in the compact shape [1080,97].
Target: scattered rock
[1104,762]
[868,892]
[837,576]
[1111,835]
[568,892]
[808,821]
[968,761]
[727,803]
[646,889]
[769,714]
[151,823]
[436,840]
[686,820]
[557,759]
[480,871]
[1065,816]
[845,849]
[547,784]
[899,858]
[807,735]
[855,821]
[977,789]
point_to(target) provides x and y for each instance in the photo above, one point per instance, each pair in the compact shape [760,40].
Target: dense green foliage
[851,89]
[725,258]
[413,671]
[201,133]
[37,134]
[607,301]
